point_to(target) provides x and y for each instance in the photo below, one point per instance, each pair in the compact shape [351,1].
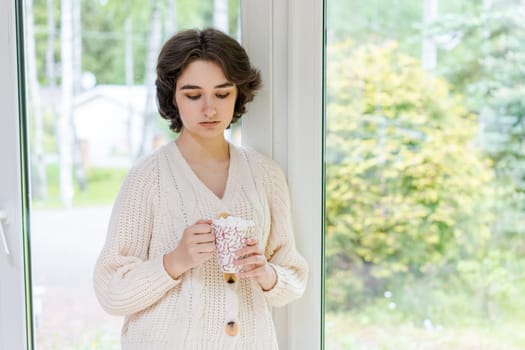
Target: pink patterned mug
[231,234]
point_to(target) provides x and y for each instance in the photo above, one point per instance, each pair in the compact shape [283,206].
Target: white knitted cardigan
[159,198]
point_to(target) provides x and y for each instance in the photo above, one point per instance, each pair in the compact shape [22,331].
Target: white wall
[284,38]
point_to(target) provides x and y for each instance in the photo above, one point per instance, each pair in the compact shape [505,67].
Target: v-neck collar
[198,183]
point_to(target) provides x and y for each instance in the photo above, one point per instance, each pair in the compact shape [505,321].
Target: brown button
[231,328]
[230,277]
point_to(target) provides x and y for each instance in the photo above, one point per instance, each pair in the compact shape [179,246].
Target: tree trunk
[78,163]
[482,117]
[50,61]
[77,47]
[149,110]
[39,178]
[171,25]
[429,48]
[132,122]
[238,33]
[220,15]
[50,50]
[64,122]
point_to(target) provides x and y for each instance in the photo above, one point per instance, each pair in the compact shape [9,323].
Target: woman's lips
[212,123]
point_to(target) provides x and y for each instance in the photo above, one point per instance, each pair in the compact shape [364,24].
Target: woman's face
[205,99]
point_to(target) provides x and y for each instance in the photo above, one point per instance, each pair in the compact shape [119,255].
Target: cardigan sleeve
[125,279]
[281,252]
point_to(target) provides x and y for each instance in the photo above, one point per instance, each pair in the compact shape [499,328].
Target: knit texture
[159,198]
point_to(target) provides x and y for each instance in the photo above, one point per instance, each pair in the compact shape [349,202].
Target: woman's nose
[209,107]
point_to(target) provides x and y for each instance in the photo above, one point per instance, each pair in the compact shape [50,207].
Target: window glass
[92,114]
[425,175]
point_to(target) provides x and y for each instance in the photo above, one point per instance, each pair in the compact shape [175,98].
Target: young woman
[158,267]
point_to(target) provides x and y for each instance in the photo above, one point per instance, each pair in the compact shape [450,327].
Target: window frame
[15,289]
[285,39]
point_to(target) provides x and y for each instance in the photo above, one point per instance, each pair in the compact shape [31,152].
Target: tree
[406,185]
[39,178]
[64,136]
[486,67]
[220,15]
[150,113]
[171,18]
[429,47]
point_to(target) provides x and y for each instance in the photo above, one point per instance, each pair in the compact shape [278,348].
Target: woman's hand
[196,246]
[254,264]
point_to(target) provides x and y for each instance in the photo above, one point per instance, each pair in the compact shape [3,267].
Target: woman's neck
[203,150]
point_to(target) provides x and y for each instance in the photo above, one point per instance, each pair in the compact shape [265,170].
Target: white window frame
[13,332]
[284,39]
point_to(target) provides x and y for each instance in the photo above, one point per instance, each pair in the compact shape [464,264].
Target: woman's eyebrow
[190,87]
[195,87]
[228,84]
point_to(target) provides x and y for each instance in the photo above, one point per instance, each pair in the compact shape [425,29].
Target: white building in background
[108,122]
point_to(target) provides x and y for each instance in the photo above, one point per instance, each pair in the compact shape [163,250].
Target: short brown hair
[210,45]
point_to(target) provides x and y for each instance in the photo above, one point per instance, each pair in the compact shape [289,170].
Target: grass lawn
[102,187]
[343,331]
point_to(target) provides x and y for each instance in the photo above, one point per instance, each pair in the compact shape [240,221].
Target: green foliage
[407,187]
[367,21]
[103,36]
[103,39]
[102,187]
[426,189]
[488,66]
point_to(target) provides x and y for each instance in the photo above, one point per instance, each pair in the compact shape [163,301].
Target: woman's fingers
[250,257]
[248,250]
[251,260]
[205,247]
[203,238]
[255,271]
[200,232]
[199,228]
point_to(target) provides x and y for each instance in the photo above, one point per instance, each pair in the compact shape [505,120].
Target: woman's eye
[193,97]
[223,95]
